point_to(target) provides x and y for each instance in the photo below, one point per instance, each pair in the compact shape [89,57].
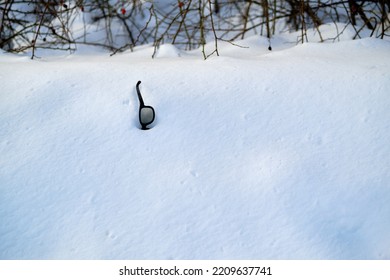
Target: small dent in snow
[110,235]
[194,173]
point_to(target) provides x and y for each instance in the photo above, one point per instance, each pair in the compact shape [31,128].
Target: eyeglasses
[146,114]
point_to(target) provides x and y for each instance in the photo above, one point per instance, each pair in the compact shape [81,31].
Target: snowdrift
[253,155]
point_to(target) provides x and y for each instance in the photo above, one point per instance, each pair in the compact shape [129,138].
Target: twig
[39,27]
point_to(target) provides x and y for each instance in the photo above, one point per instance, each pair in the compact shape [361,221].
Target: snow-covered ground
[253,155]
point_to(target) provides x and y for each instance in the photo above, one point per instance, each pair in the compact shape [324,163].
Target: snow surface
[253,155]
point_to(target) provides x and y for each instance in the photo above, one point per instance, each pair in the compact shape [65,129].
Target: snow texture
[253,155]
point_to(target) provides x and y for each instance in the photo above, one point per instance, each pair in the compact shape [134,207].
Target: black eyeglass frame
[143,106]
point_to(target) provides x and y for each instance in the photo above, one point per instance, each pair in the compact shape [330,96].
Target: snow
[253,155]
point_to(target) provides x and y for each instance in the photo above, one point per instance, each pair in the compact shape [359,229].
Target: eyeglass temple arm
[141,101]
